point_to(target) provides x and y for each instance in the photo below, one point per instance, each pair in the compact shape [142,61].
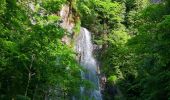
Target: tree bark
[29,75]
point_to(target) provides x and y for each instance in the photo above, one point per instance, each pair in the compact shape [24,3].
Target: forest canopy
[132,39]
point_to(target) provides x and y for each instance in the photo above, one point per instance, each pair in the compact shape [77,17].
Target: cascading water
[84,49]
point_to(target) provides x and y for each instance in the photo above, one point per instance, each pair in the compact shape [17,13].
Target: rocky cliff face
[66,20]
[66,23]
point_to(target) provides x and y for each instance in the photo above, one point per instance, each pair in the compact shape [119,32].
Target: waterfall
[84,48]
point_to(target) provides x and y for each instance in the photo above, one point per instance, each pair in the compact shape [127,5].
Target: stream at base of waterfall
[84,48]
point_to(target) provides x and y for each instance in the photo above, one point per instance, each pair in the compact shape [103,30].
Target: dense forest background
[132,39]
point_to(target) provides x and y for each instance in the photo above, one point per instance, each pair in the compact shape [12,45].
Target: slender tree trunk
[29,75]
[28,83]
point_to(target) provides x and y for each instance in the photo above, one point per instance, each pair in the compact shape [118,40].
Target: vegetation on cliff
[133,47]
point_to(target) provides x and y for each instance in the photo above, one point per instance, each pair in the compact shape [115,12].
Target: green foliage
[2,6]
[152,84]
[77,26]
[134,38]
[112,79]
[53,18]
[53,5]
[34,62]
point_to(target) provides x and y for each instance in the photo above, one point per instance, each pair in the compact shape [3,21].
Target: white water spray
[84,49]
